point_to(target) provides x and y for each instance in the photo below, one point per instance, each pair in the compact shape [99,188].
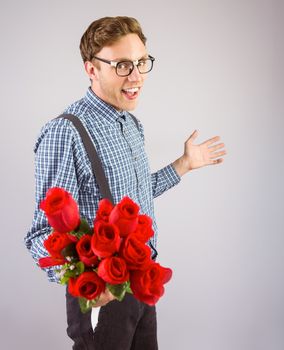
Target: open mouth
[130,93]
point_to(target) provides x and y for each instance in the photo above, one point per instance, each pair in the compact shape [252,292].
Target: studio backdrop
[218,69]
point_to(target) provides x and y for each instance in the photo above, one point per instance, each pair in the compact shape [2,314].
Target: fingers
[105,298]
[214,148]
[214,154]
[193,136]
[217,154]
[212,140]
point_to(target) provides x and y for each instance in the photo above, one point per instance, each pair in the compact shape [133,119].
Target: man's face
[112,88]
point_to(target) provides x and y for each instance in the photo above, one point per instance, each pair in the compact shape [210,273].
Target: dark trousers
[126,325]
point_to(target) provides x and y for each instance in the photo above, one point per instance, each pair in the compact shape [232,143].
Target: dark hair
[106,31]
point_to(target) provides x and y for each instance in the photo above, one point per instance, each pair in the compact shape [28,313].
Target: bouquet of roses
[112,254]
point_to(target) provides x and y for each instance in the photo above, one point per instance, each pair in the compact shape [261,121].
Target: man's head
[110,40]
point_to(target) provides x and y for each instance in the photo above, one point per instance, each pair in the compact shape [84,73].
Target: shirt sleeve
[55,166]
[163,179]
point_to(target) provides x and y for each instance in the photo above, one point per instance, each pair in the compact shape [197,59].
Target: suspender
[93,156]
[96,164]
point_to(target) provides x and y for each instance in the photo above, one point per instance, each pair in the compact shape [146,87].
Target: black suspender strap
[93,156]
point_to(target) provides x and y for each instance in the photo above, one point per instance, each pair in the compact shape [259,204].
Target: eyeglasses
[125,68]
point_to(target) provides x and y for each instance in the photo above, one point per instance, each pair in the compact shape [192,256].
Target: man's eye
[124,65]
[142,63]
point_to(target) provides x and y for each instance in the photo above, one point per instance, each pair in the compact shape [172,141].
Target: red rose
[71,286]
[50,261]
[104,210]
[113,270]
[125,216]
[105,240]
[85,252]
[144,229]
[88,285]
[56,242]
[136,254]
[61,210]
[148,285]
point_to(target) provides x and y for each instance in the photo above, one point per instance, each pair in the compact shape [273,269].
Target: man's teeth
[132,90]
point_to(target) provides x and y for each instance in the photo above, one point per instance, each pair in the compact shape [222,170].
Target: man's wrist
[181,166]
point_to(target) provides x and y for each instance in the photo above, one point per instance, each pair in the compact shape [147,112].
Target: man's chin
[126,105]
[130,106]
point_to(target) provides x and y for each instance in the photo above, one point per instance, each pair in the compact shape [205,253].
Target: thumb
[192,137]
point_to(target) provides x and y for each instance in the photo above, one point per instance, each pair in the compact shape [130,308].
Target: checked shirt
[61,161]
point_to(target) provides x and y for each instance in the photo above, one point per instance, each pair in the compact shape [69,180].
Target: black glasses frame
[134,63]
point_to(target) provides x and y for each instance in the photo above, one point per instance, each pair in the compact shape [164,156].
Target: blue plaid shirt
[61,161]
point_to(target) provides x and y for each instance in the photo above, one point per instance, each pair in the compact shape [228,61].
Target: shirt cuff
[170,175]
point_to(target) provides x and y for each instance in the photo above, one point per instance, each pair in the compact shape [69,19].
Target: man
[117,62]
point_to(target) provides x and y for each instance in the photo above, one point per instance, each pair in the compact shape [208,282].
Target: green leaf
[77,234]
[128,288]
[70,273]
[118,290]
[85,227]
[86,305]
[64,280]
[80,267]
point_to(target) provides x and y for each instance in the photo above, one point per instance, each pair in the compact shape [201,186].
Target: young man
[117,62]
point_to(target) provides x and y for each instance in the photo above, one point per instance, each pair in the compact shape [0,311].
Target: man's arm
[164,179]
[55,166]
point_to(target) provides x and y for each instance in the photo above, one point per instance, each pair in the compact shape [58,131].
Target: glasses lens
[124,68]
[145,65]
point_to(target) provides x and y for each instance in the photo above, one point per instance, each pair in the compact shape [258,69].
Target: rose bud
[125,216]
[84,250]
[113,270]
[148,285]
[144,229]
[104,210]
[136,254]
[56,242]
[50,261]
[88,285]
[61,210]
[105,240]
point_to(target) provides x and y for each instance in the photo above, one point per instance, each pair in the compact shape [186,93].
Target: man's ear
[91,70]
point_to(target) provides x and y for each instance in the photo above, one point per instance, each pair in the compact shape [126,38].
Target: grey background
[218,69]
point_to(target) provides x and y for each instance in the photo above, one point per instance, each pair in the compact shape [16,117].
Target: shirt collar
[108,112]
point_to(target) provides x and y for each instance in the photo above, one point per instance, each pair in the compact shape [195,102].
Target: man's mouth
[131,93]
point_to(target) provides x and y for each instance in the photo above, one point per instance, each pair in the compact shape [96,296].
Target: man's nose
[135,75]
